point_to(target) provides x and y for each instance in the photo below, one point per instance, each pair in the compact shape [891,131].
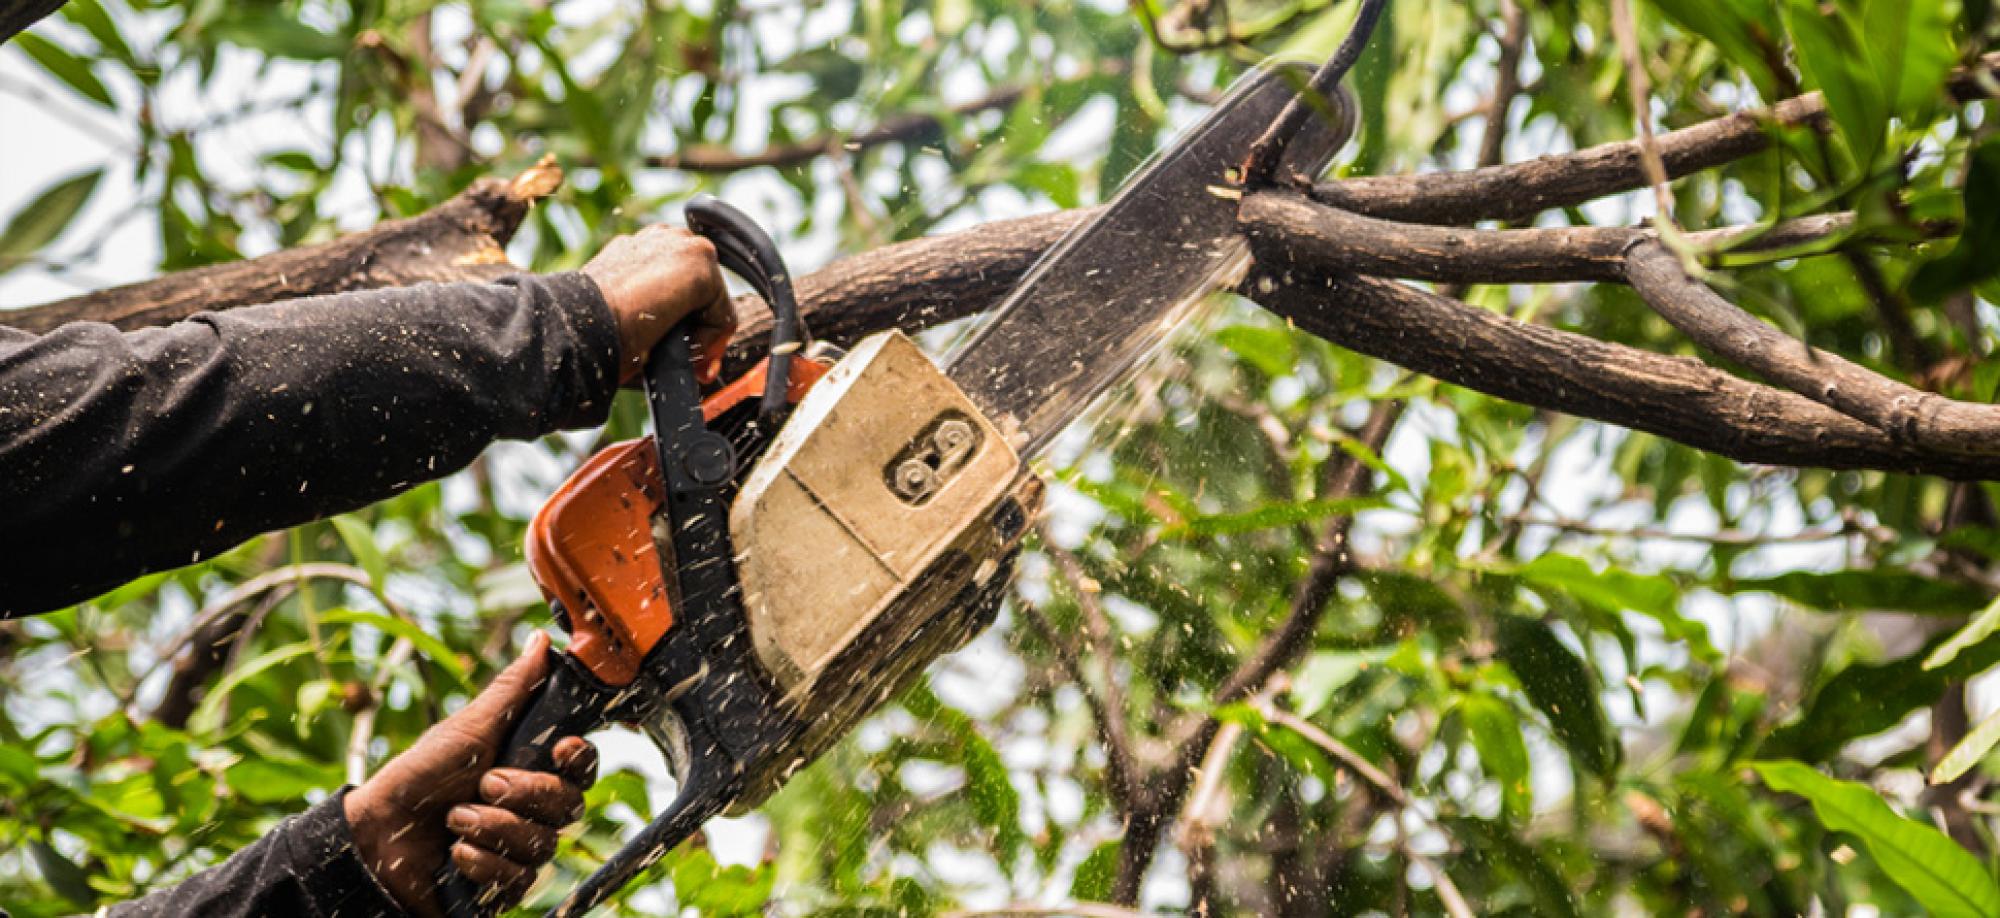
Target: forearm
[124,453]
[305,868]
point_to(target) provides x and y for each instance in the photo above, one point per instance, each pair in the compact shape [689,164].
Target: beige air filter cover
[880,470]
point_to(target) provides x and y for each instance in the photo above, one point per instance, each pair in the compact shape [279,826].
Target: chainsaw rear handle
[748,252]
[573,701]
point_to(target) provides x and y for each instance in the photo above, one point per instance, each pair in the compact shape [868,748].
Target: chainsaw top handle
[748,252]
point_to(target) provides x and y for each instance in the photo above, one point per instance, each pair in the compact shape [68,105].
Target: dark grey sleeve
[123,453]
[305,868]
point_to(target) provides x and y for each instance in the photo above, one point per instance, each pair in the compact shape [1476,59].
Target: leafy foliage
[1563,648]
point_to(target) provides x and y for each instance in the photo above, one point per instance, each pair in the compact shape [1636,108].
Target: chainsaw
[787,552]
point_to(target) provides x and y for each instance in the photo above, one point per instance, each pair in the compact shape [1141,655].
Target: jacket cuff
[332,873]
[596,330]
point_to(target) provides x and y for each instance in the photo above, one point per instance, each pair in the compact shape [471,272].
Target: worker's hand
[442,798]
[652,280]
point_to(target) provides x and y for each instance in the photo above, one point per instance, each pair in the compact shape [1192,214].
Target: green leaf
[1615,590]
[1910,48]
[712,889]
[1322,674]
[1867,590]
[1271,350]
[1745,31]
[19,767]
[1970,261]
[1269,516]
[432,648]
[73,71]
[212,702]
[1967,753]
[1496,734]
[1979,629]
[43,219]
[1564,688]
[91,16]
[1302,753]
[62,874]
[1831,54]
[988,787]
[1096,875]
[360,541]
[1944,878]
[277,34]
[1551,895]
[268,779]
[1867,698]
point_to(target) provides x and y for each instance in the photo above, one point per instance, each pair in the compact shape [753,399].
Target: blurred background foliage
[1572,670]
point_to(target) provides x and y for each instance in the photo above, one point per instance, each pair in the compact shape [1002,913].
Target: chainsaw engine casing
[886,503]
[871,536]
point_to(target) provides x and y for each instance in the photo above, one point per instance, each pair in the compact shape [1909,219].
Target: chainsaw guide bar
[750,582]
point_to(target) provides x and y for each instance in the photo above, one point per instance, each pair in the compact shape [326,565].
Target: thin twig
[1110,721]
[1354,761]
[1641,89]
[363,732]
[1261,164]
[1728,537]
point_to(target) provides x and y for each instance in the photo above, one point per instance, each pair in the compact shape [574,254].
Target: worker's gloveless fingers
[504,832]
[486,868]
[715,326]
[538,795]
[576,761]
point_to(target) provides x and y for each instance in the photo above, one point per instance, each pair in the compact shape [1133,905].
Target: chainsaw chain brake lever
[748,252]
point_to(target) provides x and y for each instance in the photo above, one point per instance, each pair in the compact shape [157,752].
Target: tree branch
[459,240]
[1331,238]
[1517,191]
[1329,561]
[1910,417]
[1674,397]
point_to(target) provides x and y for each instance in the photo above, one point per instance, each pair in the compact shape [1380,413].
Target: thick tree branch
[1517,191]
[1675,397]
[1910,417]
[1331,238]
[459,240]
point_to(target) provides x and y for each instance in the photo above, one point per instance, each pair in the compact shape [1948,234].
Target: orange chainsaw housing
[591,547]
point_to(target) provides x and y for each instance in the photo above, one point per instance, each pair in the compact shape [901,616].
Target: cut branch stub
[458,240]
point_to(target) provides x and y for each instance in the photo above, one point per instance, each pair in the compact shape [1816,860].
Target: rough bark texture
[1517,191]
[1360,244]
[1924,420]
[1675,397]
[458,240]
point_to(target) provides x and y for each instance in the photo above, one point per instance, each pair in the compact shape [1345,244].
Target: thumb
[502,700]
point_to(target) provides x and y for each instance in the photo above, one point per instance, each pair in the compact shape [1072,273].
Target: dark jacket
[123,453]
[304,868]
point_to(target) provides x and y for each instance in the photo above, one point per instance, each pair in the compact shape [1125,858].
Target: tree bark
[462,239]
